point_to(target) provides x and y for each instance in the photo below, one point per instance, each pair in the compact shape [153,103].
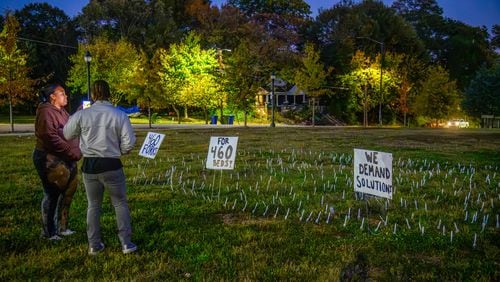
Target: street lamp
[88,58]
[381,73]
[273,99]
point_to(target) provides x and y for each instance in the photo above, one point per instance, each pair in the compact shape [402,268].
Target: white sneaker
[129,248]
[55,238]
[67,232]
[97,249]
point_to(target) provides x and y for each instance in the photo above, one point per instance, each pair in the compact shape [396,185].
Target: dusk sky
[472,12]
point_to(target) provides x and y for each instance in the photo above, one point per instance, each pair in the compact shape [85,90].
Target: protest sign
[373,173]
[151,145]
[222,153]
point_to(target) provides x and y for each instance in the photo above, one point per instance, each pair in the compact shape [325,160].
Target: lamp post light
[88,58]
[381,74]
[273,100]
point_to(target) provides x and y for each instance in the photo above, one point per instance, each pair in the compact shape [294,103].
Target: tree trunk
[149,112]
[221,118]
[178,114]
[11,118]
[365,109]
[313,108]
[245,115]
[186,112]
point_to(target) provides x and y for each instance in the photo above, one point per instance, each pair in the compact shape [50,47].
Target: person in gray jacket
[105,135]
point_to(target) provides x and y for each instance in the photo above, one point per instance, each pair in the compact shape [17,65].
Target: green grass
[143,119]
[5,119]
[194,223]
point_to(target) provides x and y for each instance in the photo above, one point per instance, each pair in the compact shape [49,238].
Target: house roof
[282,87]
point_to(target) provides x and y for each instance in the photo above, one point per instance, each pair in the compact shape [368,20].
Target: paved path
[28,129]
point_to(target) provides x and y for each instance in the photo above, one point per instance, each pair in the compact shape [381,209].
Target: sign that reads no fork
[151,145]
[222,152]
[373,173]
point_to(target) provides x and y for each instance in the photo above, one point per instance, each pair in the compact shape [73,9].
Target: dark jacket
[49,124]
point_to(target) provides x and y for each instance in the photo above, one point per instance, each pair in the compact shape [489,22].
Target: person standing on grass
[105,135]
[55,160]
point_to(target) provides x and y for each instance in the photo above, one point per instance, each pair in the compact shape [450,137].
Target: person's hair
[100,90]
[46,91]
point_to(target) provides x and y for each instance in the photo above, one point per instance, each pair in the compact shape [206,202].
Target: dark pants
[59,181]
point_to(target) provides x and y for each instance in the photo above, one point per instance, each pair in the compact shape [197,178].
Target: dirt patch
[236,219]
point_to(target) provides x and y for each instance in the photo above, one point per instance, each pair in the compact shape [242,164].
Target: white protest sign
[373,173]
[222,152]
[151,145]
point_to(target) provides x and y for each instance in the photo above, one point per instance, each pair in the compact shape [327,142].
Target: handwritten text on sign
[222,152]
[373,173]
[151,145]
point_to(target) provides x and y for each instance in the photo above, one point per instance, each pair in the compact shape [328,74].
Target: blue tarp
[130,111]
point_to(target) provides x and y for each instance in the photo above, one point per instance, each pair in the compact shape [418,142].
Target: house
[288,97]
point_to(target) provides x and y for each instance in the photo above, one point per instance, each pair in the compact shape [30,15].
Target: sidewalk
[28,129]
[19,129]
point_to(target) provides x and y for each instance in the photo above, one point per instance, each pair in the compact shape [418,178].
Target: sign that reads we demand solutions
[373,173]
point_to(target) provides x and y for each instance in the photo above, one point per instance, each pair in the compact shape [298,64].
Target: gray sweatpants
[95,184]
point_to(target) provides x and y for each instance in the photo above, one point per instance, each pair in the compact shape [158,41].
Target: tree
[364,75]
[495,40]
[204,92]
[458,47]
[15,84]
[343,29]
[244,78]
[181,68]
[426,16]
[339,32]
[148,25]
[464,51]
[113,62]
[406,71]
[144,85]
[438,97]
[311,77]
[56,39]
[293,7]
[482,97]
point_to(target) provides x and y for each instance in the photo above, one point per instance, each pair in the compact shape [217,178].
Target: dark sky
[472,12]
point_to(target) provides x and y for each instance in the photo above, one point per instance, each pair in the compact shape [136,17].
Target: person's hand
[75,154]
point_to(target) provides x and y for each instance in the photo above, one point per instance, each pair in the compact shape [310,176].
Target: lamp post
[221,70]
[381,74]
[273,100]
[88,58]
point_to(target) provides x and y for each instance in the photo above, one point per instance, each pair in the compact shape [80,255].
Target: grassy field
[286,212]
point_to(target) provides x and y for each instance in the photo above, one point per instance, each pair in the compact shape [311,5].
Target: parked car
[458,123]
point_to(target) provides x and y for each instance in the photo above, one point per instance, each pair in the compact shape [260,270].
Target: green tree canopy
[482,97]
[439,97]
[312,76]
[244,77]
[113,62]
[182,67]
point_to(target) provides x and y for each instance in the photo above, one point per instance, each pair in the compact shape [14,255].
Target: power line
[46,42]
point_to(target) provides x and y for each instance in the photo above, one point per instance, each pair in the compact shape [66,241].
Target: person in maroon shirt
[55,160]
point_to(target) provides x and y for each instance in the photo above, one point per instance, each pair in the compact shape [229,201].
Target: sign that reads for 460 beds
[222,152]
[373,173]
